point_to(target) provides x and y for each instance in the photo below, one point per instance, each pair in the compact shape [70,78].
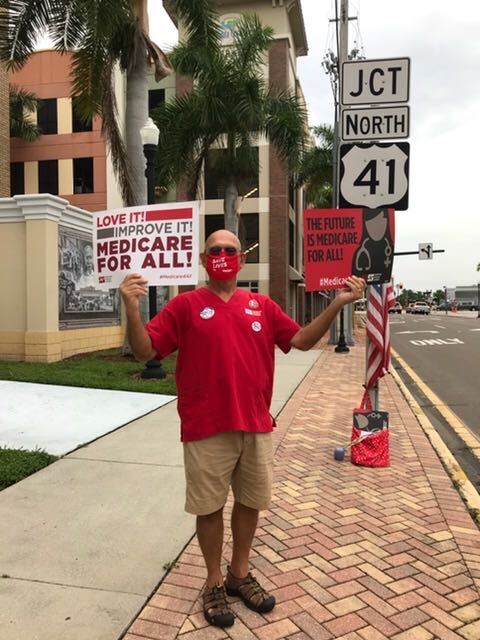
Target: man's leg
[244,524]
[251,484]
[210,539]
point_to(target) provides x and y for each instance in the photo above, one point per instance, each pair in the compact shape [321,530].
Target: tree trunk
[230,207]
[135,118]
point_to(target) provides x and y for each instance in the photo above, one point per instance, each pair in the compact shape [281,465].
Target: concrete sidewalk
[349,552]
[83,543]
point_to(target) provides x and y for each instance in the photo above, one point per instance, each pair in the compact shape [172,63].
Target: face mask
[223,267]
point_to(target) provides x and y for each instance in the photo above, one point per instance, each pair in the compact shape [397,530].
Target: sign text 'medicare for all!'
[159,242]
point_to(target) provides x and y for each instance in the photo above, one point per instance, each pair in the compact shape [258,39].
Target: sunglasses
[216,251]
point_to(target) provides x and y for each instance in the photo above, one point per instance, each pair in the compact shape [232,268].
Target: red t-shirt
[225,358]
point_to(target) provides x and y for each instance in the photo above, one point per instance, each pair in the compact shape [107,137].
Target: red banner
[339,243]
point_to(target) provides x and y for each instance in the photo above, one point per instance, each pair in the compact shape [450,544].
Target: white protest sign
[158,241]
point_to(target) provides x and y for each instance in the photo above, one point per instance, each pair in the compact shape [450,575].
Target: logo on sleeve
[256,326]
[253,304]
[207,313]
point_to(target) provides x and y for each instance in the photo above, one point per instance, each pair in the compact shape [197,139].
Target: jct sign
[375,81]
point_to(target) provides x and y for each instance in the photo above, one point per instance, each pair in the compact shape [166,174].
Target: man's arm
[308,336]
[132,289]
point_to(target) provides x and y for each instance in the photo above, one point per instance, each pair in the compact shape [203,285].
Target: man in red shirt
[226,340]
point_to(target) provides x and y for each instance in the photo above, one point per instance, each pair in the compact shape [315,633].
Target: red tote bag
[370,427]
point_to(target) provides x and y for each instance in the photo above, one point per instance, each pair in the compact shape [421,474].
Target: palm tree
[229,106]
[316,169]
[21,126]
[100,34]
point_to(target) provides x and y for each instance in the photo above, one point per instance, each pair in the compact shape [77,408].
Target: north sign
[376,123]
[375,81]
[374,175]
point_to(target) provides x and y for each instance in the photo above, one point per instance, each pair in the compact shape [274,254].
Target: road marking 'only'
[436,341]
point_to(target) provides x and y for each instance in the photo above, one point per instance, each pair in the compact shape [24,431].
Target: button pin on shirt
[207,313]
[256,326]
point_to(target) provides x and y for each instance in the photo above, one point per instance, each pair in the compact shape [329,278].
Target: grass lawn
[16,464]
[99,370]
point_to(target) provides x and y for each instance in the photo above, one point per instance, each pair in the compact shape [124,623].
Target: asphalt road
[444,351]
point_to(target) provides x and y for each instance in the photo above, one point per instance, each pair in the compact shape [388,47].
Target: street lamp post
[149,134]
[341,345]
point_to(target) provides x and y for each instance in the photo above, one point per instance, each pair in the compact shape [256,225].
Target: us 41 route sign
[374,175]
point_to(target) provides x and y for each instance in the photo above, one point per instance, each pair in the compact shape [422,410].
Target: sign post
[372,174]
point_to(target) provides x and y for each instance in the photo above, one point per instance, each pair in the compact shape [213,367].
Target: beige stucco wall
[31,177]
[65,176]
[64,115]
[29,325]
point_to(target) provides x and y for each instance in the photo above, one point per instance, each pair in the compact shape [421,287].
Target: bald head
[223,238]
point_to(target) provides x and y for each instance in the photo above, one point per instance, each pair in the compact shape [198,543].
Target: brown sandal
[215,607]
[250,591]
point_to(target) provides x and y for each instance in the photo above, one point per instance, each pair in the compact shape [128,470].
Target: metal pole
[153,368]
[342,27]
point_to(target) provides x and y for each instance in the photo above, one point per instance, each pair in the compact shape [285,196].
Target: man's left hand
[354,290]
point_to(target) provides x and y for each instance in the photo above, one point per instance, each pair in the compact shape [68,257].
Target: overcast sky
[441,38]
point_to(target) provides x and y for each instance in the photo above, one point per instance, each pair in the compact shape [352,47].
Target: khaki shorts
[238,458]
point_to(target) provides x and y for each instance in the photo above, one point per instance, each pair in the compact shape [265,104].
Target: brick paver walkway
[348,552]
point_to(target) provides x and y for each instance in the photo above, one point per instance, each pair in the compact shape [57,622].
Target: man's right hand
[132,289]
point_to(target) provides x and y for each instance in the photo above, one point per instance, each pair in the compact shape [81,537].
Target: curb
[456,473]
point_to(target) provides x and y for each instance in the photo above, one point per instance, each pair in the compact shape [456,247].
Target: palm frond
[21,126]
[160,60]
[113,136]
[68,26]
[21,23]
[286,125]
[200,19]
[251,41]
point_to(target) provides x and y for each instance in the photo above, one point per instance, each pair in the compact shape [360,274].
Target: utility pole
[342,45]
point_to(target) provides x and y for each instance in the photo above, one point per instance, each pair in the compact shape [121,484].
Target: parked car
[397,308]
[421,307]
[444,306]
[463,305]
[410,307]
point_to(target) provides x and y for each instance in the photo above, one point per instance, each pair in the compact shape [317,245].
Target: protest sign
[158,241]
[339,243]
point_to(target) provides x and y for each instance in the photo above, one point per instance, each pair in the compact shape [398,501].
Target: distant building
[467,296]
[71,159]
[271,219]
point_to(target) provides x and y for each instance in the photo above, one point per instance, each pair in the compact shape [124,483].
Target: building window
[292,193]
[249,236]
[215,180]
[78,124]
[247,232]
[17,178]
[83,175]
[156,97]
[251,285]
[291,244]
[47,115]
[48,177]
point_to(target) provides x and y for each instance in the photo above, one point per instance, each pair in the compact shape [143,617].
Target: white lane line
[474,329]
[439,326]
[399,333]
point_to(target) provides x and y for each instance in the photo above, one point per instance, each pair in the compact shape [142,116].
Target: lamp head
[149,133]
